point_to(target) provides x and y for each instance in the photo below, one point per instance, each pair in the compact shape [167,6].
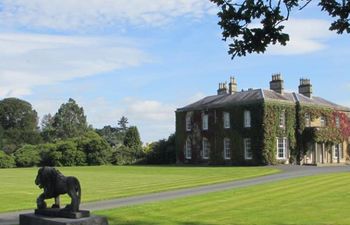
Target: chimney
[222,89]
[305,87]
[277,84]
[232,86]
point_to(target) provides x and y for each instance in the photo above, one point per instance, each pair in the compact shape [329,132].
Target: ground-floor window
[188,149]
[248,154]
[205,148]
[227,148]
[338,151]
[281,148]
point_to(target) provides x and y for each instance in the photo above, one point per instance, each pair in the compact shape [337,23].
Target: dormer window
[226,118]
[247,119]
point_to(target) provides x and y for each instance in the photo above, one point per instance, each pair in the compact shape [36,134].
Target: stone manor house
[261,127]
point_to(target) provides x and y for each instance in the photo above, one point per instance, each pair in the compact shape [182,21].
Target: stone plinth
[61,213]
[32,219]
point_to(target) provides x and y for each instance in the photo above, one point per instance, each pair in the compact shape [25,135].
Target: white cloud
[70,15]
[306,36]
[28,60]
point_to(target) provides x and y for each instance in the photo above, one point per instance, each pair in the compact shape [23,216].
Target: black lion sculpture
[54,184]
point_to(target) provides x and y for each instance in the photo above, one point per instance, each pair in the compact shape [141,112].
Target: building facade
[261,127]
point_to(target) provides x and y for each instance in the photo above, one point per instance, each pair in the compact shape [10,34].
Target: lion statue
[55,184]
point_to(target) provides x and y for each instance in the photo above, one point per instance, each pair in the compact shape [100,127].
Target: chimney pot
[277,84]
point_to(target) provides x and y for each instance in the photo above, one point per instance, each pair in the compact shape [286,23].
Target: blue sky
[143,59]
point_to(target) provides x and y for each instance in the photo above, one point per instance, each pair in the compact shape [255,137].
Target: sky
[144,59]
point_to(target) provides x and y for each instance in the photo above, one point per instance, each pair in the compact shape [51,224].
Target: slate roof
[258,95]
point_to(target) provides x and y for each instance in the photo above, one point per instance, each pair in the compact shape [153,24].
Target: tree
[132,140]
[237,19]
[113,136]
[123,124]
[19,124]
[162,152]
[47,128]
[69,121]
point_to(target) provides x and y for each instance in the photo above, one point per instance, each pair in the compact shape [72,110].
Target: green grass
[317,200]
[18,191]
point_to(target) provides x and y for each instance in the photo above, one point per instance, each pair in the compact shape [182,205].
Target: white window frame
[323,121]
[226,119]
[188,122]
[188,149]
[338,147]
[284,148]
[205,121]
[307,120]
[282,120]
[337,121]
[205,148]
[248,154]
[247,119]
[227,148]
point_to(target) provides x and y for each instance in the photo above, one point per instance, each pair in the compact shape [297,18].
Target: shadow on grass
[115,221]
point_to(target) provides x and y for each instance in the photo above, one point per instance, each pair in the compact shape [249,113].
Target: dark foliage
[162,152]
[238,19]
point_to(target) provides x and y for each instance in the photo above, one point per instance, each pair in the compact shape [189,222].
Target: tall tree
[237,20]
[123,124]
[69,121]
[19,123]
[132,140]
[47,128]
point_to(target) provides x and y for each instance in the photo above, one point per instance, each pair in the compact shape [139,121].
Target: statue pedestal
[61,213]
[33,219]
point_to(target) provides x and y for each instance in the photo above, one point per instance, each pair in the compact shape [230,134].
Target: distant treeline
[66,139]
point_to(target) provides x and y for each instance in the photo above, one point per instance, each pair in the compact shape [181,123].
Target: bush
[123,156]
[97,149]
[162,152]
[6,161]
[27,156]
[71,155]
[49,156]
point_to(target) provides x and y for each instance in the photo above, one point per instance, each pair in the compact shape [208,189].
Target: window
[206,148]
[248,154]
[188,149]
[205,121]
[283,119]
[338,151]
[337,121]
[226,120]
[247,119]
[227,148]
[188,122]
[307,120]
[323,121]
[281,148]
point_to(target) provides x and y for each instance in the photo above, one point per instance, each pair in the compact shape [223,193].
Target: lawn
[317,200]
[18,191]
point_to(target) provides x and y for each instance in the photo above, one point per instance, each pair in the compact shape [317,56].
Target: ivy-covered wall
[264,131]
[272,130]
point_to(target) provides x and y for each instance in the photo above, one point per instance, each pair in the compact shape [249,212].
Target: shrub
[97,149]
[6,161]
[27,156]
